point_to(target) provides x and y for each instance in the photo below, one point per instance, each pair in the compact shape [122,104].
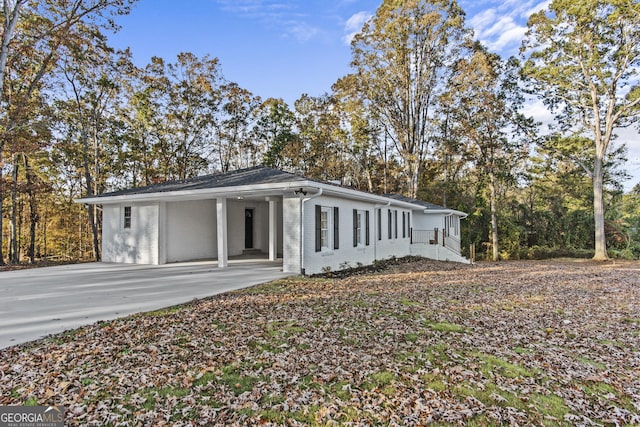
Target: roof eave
[447,211]
[239,191]
[212,193]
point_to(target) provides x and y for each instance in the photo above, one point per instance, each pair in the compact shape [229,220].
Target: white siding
[425,221]
[347,255]
[191,230]
[138,244]
[291,235]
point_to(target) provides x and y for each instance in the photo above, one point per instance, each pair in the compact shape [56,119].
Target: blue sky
[284,48]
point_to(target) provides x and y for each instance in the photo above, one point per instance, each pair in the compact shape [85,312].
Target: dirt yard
[513,343]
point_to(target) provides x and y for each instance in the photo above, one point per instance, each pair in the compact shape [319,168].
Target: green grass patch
[270,347]
[551,405]
[523,350]
[437,354]
[434,382]
[283,328]
[445,327]
[382,378]
[592,363]
[163,312]
[408,303]
[598,388]
[339,390]
[206,379]
[492,364]
[411,337]
[220,326]
[31,401]
[237,381]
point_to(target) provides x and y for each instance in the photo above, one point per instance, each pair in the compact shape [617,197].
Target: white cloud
[501,26]
[301,31]
[284,15]
[535,9]
[482,20]
[509,36]
[535,108]
[354,25]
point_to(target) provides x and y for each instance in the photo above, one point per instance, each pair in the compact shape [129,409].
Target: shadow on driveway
[38,302]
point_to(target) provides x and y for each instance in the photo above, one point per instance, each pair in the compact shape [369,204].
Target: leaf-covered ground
[515,343]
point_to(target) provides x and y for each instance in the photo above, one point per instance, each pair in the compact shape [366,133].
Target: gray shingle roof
[427,205]
[249,176]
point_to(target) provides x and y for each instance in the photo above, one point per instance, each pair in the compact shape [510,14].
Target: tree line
[427,111]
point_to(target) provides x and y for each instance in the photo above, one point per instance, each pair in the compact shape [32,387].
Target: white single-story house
[313,226]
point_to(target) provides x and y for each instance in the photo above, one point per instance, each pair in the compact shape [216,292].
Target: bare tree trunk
[89,187]
[33,211]
[413,177]
[14,254]
[1,217]
[598,212]
[494,218]
[11,15]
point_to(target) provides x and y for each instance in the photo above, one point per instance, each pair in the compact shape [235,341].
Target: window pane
[325,225]
[127,217]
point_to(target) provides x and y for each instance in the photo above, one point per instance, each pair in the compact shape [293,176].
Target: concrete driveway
[42,301]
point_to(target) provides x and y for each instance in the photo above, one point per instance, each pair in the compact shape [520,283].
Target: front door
[248,228]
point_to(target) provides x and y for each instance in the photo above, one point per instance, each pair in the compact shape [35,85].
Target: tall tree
[401,58]
[319,130]
[361,132]
[91,74]
[484,102]
[237,147]
[34,32]
[274,130]
[191,93]
[583,61]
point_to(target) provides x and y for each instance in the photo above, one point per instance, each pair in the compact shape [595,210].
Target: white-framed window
[451,225]
[361,228]
[358,228]
[327,228]
[126,217]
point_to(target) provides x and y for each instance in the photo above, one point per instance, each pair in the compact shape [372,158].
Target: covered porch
[223,229]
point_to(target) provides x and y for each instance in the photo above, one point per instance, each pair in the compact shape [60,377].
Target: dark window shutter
[336,229]
[379,224]
[318,228]
[409,223]
[355,228]
[404,225]
[395,223]
[366,226]
[390,227]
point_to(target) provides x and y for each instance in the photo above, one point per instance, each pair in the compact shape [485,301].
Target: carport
[38,302]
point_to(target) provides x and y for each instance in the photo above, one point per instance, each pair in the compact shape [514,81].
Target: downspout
[378,227]
[302,202]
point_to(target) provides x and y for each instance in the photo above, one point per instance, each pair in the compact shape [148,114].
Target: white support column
[162,233]
[273,230]
[223,252]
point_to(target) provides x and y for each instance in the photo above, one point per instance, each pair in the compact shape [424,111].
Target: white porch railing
[435,237]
